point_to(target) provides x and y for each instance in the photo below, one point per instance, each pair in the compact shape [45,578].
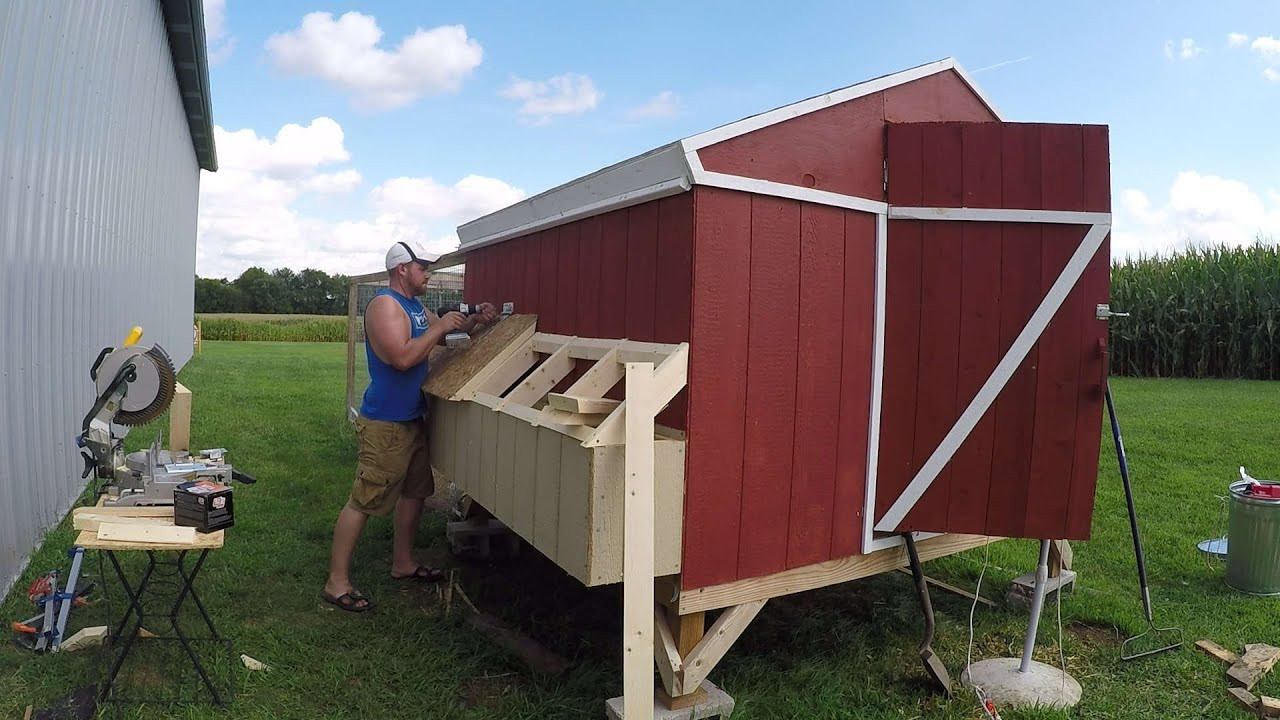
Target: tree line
[280,292]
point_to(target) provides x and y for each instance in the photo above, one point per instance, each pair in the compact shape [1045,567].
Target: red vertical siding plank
[717,382]
[817,385]
[940,293]
[1096,286]
[532,260]
[548,288]
[642,270]
[1019,295]
[979,327]
[771,385]
[613,275]
[673,291]
[589,278]
[855,382]
[567,276]
[902,319]
[1053,447]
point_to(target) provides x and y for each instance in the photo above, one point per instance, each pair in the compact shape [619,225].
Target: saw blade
[153,387]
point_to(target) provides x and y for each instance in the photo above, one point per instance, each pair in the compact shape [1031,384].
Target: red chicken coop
[888,301]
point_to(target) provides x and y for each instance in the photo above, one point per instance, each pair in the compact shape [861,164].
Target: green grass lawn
[842,652]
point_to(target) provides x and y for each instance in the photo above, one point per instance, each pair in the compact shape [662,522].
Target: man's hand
[488,313]
[453,321]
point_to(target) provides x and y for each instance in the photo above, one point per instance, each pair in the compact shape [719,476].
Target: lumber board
[1243,698]
[92,521]
[453,368]
[582,405]
[150,533]
[89,540]
[125,510]
[1217,652]
[1268,706]
[1257,660]
[830,572]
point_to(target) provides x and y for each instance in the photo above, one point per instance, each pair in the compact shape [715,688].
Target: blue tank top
[395,395]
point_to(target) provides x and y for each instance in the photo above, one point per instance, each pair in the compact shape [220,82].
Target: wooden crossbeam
[712,648]
[666,654]
[581,404]
[596,348]
[544,378]
[668,379]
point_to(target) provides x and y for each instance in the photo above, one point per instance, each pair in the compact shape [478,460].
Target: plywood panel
[488,486]
[505,467]
[1020,293]
[546,511]
[574,514]
[607,509]
[855,382]
[642,270]
[567,278]
[613,275]
[940,287]
[588,311]
[817,384]
[673,287]
[717,386]
[902,319]
[548,283]
[1053,448]
[773,317]
[525,480]
[979,326]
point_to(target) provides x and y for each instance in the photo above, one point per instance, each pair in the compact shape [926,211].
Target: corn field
[279,328]
[1209,312]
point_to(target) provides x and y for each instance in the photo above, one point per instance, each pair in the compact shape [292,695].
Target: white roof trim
[672,168]
[814,104]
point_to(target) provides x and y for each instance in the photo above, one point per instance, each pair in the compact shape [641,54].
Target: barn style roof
[667,170]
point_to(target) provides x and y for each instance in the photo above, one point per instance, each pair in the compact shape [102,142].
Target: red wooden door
[994,359]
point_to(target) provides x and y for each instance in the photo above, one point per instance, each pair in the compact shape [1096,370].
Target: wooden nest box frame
[874,312]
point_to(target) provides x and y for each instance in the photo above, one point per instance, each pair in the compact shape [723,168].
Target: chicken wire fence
[443,288]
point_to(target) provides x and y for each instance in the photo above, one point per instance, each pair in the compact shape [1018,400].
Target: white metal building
[105,124]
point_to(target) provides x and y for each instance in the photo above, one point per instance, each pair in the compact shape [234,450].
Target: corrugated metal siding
[98,193]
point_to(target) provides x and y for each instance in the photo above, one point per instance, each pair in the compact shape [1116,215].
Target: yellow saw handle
[134,336]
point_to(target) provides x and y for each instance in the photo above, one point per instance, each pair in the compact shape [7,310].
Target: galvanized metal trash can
[1253,542]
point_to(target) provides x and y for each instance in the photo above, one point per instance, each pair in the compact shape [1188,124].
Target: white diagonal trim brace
[1000,376]
[1061,217]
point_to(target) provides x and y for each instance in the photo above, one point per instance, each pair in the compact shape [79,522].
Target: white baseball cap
[403,252]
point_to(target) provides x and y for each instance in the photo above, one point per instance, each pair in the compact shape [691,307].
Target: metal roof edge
[184,23]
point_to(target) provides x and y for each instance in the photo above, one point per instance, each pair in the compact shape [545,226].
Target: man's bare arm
[387,326]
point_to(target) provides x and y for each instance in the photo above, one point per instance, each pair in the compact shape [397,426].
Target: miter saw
[135,385]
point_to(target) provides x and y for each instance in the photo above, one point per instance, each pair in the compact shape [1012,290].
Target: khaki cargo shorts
[392,460]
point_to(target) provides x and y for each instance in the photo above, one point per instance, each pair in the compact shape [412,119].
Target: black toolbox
[204,505]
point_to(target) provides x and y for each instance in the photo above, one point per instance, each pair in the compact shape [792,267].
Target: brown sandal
[349,601]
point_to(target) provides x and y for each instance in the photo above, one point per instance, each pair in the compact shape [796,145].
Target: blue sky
[335,140]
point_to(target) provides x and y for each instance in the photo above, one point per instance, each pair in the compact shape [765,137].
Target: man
[393,471]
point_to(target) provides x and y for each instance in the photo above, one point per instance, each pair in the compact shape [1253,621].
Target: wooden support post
[353,297]
[1060,555]
[637,546]
[180,420]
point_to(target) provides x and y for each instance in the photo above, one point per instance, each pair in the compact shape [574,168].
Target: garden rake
[1153,640]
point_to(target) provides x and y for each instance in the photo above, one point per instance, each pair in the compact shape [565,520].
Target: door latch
[1104,312]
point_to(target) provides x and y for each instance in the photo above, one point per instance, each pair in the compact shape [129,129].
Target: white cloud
[426,199]
[219,44]
[250,209]
[345,52]
[1237,39]
[1186,49]
[1271,74]
[1267,47]
[1200,210]
[663,105]
[541,100]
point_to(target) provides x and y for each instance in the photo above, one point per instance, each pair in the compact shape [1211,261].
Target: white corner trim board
[1057,217]
[998,379]
[877,383]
